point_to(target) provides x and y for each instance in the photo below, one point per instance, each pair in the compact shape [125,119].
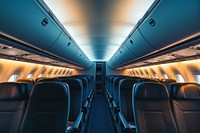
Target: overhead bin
[171,21]
[109,63]
[87,63]
[138,45]
[124,56]
[29,22]
[25,21]
[64,47]
[113,61]
[81,59]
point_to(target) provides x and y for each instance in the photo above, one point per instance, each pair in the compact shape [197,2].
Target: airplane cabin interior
[99,66]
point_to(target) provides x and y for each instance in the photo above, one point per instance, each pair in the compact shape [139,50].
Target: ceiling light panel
[99,27]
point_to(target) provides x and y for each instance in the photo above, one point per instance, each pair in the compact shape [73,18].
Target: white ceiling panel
[99,25]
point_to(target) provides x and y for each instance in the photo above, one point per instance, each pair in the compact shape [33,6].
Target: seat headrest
[75,84]
[185,91]
[47,79]
[50,91]
[127,84]
[149,80]
[12,91]
[150,91]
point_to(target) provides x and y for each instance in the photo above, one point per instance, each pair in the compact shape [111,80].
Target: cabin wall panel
[90,71]
[110,71]
[9,68]
[187,69]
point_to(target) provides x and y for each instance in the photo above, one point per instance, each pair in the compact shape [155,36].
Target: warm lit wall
[110,71]
[89,71]
[9,68]
[187,69]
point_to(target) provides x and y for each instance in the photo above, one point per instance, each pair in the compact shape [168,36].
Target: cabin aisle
[100,118]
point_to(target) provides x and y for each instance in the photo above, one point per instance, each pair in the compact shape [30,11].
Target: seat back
[186,106]
[111,85]
[76,97]
[116,88]
[48,108]
[28,86]
[152,109]
[13,101]
[85,83]
[125,98]
[149,80]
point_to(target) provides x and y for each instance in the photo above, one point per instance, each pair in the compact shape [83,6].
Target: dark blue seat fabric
[151,108]
[76,97]
[186,106]
[111,84]
[125,98]
[48,108]
[85,87]
[116,88]
[13,101]
[149,80]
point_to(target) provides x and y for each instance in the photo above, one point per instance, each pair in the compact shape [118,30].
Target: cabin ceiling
[99,27]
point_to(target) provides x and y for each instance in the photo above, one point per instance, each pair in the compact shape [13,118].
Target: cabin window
[155,75]
[130,72]
[13,78]
[30,76]
[179,78]
[40,75]
[70,72]
[142,75]
[133,74]
[197,78]
[165,76]
[149,75]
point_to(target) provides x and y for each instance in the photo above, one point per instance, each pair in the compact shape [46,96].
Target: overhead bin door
[171,21]
[113,63]
[79,58]
[124,56]
[109,63]
[24,20]
[64,47]
[138,45]
[87,63]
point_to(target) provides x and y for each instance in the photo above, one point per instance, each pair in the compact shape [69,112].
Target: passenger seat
[186,106]
[48,109]
[151,108]
[13,101]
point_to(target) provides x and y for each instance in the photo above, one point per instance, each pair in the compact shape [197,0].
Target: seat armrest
[85,107]
[89,97]
[115,107]
[110,97]
[126,126]
[123,120]
[76,125]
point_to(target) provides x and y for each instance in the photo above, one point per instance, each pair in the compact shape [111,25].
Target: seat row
[148,106]
[48,106]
